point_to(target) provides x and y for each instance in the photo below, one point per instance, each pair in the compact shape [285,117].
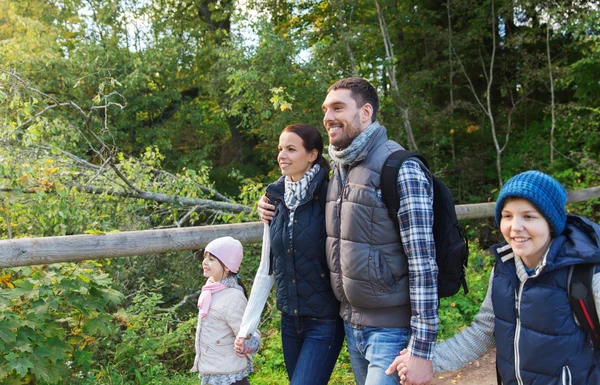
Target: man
[386,282]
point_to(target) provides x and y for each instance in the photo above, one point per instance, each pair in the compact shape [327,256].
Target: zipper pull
[517,304]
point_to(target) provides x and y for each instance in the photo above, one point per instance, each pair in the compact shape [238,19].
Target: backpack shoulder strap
[389,180]
[581,297]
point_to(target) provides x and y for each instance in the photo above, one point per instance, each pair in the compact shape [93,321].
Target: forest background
[121,115]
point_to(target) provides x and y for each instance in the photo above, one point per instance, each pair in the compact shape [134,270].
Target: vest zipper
[566,376]
[518,332]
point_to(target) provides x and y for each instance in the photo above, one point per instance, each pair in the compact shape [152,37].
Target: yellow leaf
[5,279]
[51,171]
[83,278]
[471,128]
[93,231]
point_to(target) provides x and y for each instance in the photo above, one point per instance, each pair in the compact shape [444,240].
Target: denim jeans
[311,347]
[372,350]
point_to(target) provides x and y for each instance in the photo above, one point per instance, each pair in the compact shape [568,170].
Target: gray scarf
[342,158]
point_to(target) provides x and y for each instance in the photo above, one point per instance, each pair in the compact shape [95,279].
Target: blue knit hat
[543,191]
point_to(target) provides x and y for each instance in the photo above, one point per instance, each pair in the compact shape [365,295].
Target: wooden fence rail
[71,248]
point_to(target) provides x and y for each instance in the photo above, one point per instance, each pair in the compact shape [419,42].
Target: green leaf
[40,371]
[112,296]
[23,287]
[19,364]
[7,335]
[102,324]
[58,350]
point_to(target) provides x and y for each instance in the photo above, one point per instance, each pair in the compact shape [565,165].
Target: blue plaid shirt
[416,231]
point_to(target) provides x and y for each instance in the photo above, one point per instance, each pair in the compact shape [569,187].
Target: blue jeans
[372,350]
[311,347]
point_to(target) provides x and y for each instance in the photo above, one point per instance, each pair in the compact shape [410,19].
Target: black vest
[299,262]
[537,339]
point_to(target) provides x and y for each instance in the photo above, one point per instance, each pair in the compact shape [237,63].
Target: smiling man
[385,279]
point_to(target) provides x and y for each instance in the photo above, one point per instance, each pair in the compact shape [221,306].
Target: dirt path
[480,372]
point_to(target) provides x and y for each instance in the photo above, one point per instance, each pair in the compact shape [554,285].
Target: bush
[51,318]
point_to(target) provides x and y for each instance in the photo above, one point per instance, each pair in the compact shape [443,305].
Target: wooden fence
[71,248]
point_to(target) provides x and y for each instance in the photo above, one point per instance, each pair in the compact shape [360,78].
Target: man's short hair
[361,90]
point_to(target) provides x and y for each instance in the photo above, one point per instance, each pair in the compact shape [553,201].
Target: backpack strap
[389,180]
[581,297]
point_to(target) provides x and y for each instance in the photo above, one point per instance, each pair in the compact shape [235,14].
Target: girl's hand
[239,346]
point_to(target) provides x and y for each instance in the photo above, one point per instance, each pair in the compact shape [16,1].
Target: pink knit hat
[228,250]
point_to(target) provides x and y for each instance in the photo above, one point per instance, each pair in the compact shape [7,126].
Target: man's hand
[412,370]
[265,209]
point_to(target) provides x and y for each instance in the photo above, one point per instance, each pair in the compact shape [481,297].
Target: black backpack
[452,251]
[581,297]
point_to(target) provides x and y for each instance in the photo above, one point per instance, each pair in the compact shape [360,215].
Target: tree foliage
[129,114]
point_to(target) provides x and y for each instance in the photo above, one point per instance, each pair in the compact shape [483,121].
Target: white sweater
[263,283]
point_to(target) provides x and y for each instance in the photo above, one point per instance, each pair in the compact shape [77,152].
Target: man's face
[343,119]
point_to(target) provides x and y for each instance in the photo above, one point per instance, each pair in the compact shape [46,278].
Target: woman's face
[293,158]
[526,230]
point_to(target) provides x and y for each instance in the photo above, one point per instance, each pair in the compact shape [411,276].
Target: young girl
[293,257]
[221,307]
[526,314]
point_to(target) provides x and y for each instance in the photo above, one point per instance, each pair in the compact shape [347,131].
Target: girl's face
[293,158]
[526,230]
[212,267]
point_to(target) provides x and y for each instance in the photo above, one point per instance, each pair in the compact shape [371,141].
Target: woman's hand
[265,209]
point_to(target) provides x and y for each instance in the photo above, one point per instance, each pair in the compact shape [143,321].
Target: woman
[293,256]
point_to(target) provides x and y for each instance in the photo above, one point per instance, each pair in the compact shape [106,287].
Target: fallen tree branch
[164,198]
[180,304]
[202,204]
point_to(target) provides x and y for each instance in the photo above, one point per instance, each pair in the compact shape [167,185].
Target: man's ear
[366,113]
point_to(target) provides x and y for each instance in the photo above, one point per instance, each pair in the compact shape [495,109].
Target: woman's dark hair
[311,140]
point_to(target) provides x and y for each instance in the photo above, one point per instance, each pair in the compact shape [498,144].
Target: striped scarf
[295,192]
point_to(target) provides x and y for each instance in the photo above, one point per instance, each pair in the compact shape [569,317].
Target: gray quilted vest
[368,266]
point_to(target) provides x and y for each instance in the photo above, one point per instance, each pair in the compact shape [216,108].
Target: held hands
[265,209]
[412,370]
[239,346]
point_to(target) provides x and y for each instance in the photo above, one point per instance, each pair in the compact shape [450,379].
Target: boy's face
[525,230]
